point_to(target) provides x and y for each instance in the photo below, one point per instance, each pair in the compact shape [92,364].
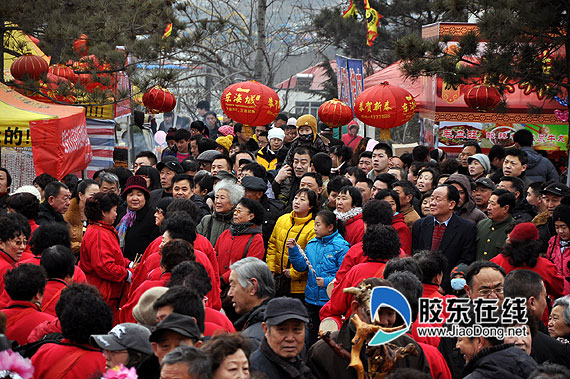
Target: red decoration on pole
[80,46]
[28,66]
[335,113]
[482,97]
[250,103]
[385,106]
[159,100]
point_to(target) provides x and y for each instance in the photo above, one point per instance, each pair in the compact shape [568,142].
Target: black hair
[336,183]
[223,345]
[71,181]
[380,242]
[318,178]
[206,182]
[386,147]
[48,235]
[14,225]
[152,174]
[434,175]
[521,155]
[520,253]
[322,162]
[516,182]
[365,154]
[550,371]
[407,159]
[523,137]
[475,144]
[505,197]
[258,170]
[407,264]
[83,185]
[537,187]
[497,151]
[122,173]
[354,194]
[523,283]
[238,127]
[75,309]
[190,165]
[53,189]
[225,158]
[356,172]
[329,218]
[8,177]
[234,156]
[184,207]
[193,275]
[382,194]
[25,281]
[99,203]
[475,267]
[389,179]
[206,144]
[58,261]
[449,166]
[255,208]
[377,212]
[181,177]
[303,151]
[175,252]
[43,180]
[424,196]
[435,155]
[420,153]
[282,117]
[198,125]
[452,193]
[369,183]
[179,226]
[184,301]
[313,200]
[342,151]
[148,154]
[432,263]
[410,286]
[25,204]
[203,104]
[182,134]
[407,186]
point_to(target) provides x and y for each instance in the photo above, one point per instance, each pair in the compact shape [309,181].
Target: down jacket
[231,247]
[539,168]
[326,255]
[212,226]
[289,226]
[560,260]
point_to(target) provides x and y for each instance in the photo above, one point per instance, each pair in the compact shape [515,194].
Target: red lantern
[335,113]
[80,46]
[159,100]
[63,72]
[482,97]
[385,106]
[250,103]
[28,66]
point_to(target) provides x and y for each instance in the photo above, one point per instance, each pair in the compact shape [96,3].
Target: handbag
[282,282]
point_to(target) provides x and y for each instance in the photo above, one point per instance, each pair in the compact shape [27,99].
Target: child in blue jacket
[325,253]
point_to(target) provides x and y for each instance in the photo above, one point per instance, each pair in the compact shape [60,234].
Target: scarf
[239,229]
[126,222]
[345,216]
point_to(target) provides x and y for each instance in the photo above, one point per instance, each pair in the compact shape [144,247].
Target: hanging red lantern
[28,66]
[335,113]
[482,97]
[63,71]
[250,103]
[80,46]
[385,106]
[159,100]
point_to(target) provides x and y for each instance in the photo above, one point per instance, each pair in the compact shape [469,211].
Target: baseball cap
[557,189]
[281,309]
[170,162]
[486,182]
[123,336]
[253,183]
[208,155]
[181,324]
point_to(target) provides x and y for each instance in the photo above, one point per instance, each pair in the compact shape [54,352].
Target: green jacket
[211,226]
[491,237]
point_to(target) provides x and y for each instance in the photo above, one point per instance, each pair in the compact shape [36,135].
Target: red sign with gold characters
[385,106]
[250,103]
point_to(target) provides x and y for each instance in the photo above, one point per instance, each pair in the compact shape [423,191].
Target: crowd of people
[238,256]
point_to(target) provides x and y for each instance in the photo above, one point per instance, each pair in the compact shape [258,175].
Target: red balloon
[159,100]
[482,97]
[385,106]
[28,66]
[80,46]
[335,113]
[250,103]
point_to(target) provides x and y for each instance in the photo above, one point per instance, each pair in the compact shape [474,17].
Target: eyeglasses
[22,242]
[488,291]
[160,211]
[240,211]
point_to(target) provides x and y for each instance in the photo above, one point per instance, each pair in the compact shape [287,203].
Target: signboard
[350,80]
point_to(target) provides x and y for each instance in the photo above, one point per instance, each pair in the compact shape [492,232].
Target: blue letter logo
[389,297]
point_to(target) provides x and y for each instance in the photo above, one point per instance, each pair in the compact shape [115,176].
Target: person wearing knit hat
[225,142]
[458,279]
[307,137]
[274,153]
[479,165]
[525,231]
[226,130]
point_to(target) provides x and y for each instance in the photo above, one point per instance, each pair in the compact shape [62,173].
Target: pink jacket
[560,261]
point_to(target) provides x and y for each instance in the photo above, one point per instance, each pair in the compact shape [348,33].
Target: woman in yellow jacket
[300,225]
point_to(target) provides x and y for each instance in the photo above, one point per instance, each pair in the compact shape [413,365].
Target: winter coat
[212,226]
[317,146]
[269,159]
[405,234]
[231,247]
[22,317]
[491,236]
[326,255]
[289,226]
[354,227]
[73,218]
[273,366]
[203,208]
[523,211]
[141,233]
[273,210]
[103,262]
[67,360]
[48,214]
[468,210]
[539,168]
[561,262]
[249,325]
[504,361]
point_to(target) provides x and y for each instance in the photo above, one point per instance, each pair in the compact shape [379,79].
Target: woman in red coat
[398,221]
[349,211]
[243,239]
[101,256]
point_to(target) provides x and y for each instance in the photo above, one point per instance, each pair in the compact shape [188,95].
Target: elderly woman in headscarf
[227,195]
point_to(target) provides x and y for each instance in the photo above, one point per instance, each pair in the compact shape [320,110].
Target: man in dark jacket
[552,195]
[56,203]
[183,188]
[539,168]
[523,211]
[251,288]
[168,168]
[279,355]
[466,208]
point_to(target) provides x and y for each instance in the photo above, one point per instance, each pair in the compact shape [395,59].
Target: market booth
[38,137]
[447,122]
